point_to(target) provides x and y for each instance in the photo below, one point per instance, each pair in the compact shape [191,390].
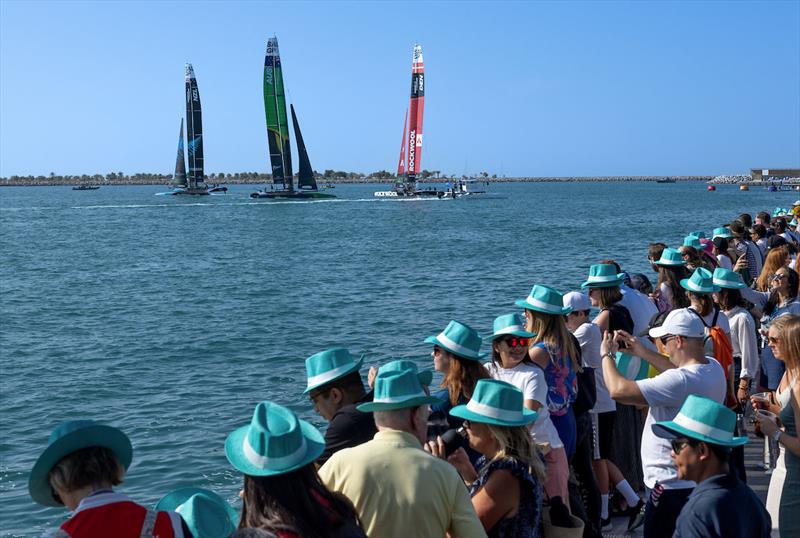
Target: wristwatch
[777,435]
[609,355]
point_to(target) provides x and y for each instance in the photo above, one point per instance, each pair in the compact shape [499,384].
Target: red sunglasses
[515,341]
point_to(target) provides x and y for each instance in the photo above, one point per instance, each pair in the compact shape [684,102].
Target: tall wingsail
[194,129]
[179,179]
[415,118]
[280,154]
[305,175]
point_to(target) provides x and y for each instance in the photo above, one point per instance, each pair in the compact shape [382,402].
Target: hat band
[602,278]
[690,283]
[399,399]
[510,329]
[702,428]
[274,463]
[494,412]
[547,307]
[454,346]
[330,375]
[725,283]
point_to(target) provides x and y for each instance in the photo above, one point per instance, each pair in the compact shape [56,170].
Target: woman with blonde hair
[776,258]
[506,483]
[784,340]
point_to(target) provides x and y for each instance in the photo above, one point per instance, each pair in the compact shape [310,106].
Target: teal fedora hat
[329,365]
[206,514]
[495,402]
[460,339]
[67,438]
[397,389]
[509,325]
[603,275]
[721,232]
[275,442]
[693,241]
[698,234]
[725,278]
[702,419]
[701,281]
[671,257]
[544,299]
[425,377]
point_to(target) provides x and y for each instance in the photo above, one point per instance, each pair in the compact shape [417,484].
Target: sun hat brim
[523,334]
[94,435]
[563,311]
[472,355]
[685,285]
[234,451]
[385,406]
[670,430]
[172,500]
[356,367]
[461,411]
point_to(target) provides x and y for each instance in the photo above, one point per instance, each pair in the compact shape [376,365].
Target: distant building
[771,174]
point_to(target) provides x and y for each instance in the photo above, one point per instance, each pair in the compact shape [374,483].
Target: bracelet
[609,355]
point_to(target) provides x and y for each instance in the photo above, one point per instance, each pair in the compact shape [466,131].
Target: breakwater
[42,181]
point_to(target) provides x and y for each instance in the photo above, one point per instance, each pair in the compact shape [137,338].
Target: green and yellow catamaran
[280,154]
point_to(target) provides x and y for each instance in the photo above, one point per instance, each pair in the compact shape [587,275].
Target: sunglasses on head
[516,341]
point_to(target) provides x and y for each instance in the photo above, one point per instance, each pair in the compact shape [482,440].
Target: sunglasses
[773,339]
[679,444]
[313,396]
[779,276]
[666,338]
[467,424]
[516,341]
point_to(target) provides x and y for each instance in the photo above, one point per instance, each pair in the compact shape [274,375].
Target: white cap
[796,202]
[577,300]
[680,322]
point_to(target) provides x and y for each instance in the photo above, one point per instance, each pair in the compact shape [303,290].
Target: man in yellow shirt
[398,489]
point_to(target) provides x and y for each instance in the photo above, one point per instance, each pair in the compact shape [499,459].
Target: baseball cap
[680,322]
[578,301]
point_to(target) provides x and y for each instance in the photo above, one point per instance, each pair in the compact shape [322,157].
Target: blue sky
[514,88]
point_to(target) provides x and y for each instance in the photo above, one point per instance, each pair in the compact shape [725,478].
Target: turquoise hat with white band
[459,339]
[671,257]
[725,278]
[330,365]
[275,442]
[397,389]
[206,514]
[69,437]
[702,419]
[425,377]
[546,300]
[701,281]
[698,234]
[603,275]
[693,241]
[722,232]
[509,325]
[495,402]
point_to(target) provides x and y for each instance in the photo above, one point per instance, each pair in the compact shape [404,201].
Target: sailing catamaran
[408,167]
[280,154]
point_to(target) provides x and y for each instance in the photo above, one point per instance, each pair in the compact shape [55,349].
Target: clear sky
[527,88]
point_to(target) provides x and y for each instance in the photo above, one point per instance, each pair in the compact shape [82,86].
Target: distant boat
[744,187]
[711,188]
[409,164]
[665,180]
[280,153]
[85,187]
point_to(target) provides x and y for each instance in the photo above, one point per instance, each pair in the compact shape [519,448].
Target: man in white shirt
[682,335]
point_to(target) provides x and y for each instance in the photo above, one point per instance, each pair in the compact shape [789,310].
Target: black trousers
[584,495]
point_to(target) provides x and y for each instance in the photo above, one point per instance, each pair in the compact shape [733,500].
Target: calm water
[172,317]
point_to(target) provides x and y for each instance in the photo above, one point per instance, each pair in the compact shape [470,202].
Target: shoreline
[71,181]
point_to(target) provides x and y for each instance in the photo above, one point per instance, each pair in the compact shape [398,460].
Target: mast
[280,154]
[305,175]
[194,129]
[179,179]
[416,107]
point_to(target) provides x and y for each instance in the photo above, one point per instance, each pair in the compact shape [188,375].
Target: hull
[291,195]
[190,192]
[86,188]
[420,193]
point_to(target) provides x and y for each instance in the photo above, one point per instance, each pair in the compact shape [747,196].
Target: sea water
[171,317]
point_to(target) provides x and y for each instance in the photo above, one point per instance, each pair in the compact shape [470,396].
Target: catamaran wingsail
[280,154]
[179,179]
[409,167]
